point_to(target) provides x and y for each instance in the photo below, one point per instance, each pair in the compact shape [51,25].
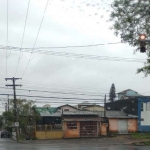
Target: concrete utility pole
[8,103]
[105,106]
[5,107]
[15,101]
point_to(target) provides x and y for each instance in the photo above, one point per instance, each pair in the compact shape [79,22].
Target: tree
[26,114]
[112,94]
[1,122]
[130,19]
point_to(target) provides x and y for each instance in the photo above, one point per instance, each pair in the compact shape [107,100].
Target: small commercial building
[120,122]
[70,125]
[138,106]
[83,124]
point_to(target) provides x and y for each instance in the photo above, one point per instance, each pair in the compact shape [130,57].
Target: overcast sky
[66,23]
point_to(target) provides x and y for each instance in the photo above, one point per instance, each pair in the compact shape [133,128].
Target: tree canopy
[130,19]
[26,114]
[112,93]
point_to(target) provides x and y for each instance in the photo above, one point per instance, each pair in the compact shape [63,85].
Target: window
[148,106]
[141,106]
[71,125]
[66,109]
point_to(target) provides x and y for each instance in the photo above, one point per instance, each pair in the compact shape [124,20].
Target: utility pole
[8,103]
[15,102]
[5,107]
[105,106]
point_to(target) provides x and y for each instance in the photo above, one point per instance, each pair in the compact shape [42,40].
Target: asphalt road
[77,144]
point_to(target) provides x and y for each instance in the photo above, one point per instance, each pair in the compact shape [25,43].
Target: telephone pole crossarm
[12,78]
[13,85]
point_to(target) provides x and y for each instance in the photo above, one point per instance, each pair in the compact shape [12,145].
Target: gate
[123,126]
[88,129]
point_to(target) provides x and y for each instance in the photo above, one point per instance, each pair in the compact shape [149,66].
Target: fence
[55,127]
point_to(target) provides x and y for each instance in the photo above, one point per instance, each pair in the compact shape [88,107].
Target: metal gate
[122,126]
[88,129]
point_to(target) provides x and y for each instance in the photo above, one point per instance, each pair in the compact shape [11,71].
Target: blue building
[127,93]
[143,114]
[139,106]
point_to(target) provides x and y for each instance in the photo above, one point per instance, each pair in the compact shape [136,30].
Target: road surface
[77,144]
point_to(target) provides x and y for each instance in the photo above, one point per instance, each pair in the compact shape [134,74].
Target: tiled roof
[116,114]
[70,113]
[126,91]
[67,105]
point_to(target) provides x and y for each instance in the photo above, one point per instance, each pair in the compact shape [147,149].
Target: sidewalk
[117,140]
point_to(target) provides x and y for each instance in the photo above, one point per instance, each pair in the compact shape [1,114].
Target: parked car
[5,134]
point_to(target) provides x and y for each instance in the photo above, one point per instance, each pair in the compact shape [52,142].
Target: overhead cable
[62,47]
[32,90]
[53,97]
[91,57]
[22,38]
[35,40]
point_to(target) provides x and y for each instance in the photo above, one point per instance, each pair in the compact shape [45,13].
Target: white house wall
[145,114]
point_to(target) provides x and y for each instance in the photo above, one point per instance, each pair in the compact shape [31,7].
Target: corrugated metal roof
[82,119]
[46,111]
[70,113]
[67,105]
[80,113]
[116,114]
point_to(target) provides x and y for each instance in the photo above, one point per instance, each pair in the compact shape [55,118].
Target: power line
[86,56]
[65,87]
[63,47]
[53,97]
[56,92]
[36,39]
[70,89]
[60,91]
[6,37]
[22,38]
[65,102]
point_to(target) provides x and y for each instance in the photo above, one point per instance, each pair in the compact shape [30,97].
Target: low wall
[48,134]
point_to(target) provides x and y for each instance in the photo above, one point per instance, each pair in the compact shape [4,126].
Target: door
[88,129]
[123,126]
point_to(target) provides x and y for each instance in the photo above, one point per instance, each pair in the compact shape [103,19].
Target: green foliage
[112,93]
[1,122]
[132,18]
[141,135]
[25,114]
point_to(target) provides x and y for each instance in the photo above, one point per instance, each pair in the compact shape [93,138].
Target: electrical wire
[35,39]
[68,87]
[22,38]
[63,47]
[56,92]
[7,36]
[54,97]
[91,57]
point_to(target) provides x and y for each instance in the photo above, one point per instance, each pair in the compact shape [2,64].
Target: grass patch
[21,137]
[141,135]
[147,142]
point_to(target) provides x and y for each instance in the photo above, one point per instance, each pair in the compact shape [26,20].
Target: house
[120,122]
[139,106]
[126,94]
[83,124]
[70,124]
[66,108]
[94,108]
[49,125]
[84,104]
